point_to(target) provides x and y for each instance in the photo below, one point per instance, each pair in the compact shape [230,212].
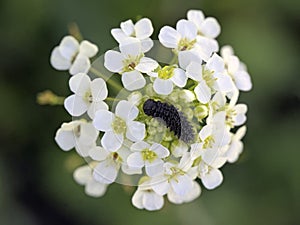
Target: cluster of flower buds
[161,115]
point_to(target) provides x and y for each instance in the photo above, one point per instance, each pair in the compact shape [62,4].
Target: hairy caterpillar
[174,119]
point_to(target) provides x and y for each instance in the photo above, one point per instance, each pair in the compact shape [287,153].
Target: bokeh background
[36,185]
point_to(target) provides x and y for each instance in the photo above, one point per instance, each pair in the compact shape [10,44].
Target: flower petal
[139,146]
[210,27]
[126,110]
[203,92]
[152,201]
[75,105]
[216,63]
[146,65]
[80,84]
[163,87]
[113,61]
[133,80]
[234,150]
[118,35]
[137,199]
[111,141]
[233,64]
[88,49]
[227,52]
[143,28]
[182,185]
[161,151]
[196,16]
[95,189]
[106,172]
[127,27]
[99,89]
[135,160]
[99,154]
[130,47]
[212,179]
[81,64]
[135,131]
[154,168]
[187,29]
[103,120]
[205,132]
[240,109]
[58,61]
[194,71]
[88,134]
[205,47]
[169,37]
[65,139]
[224,83]
[243,81]
[179,78]
[187,57]
[95,106]
[160,184]
[68,47]
[147,44]
[82,174]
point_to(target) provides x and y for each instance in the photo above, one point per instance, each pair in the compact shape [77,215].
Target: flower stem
[112,99]
[47,97]
[111,82]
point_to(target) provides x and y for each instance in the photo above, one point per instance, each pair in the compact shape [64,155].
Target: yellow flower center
[185,44]
[130,63]
[148,155]
[175,173]
[88,97]
[166,72]
[116,157]
[208,142]
[119,125]
[208,77]
[230,114]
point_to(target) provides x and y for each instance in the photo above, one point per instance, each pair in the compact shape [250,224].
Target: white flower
[89,95]
[176,177]
[210,78]
[79,134]
[142,31]
[236,69]
[188,197]
[230,113]
[83,176]
[110,163]
[236,145]
[179,149]
[117,125]
[207,27]
[130,62]
[72,56]
[146,198]
[211,177]
[150,156]
[184,39]
[135,98]
[166,78]
[214,138]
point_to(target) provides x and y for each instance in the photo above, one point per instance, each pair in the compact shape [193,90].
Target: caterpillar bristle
[173,118]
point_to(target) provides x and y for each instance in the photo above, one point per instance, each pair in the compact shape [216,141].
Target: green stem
[174,60]
[113,99]
[111,82]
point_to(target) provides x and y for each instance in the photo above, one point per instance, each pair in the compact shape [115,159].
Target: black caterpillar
[174,119]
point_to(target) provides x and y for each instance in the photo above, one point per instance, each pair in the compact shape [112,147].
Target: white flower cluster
[178,122]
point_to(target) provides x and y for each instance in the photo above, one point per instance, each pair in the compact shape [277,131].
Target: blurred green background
[36,185]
